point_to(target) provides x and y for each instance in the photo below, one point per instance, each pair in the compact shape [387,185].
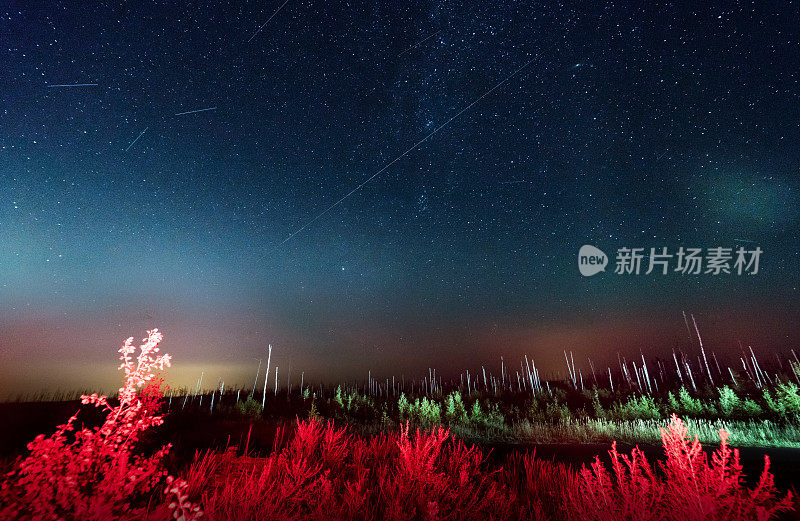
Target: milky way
[157,185]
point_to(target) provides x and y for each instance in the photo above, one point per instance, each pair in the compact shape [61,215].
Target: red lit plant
[689,487]
[322,472]
[94,474]
[326,473]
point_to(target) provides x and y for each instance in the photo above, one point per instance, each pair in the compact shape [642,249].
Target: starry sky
[549,125]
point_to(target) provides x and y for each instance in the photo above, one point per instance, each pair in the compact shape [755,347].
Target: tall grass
[753,433]
[322,471]
[326,472]
[689,486]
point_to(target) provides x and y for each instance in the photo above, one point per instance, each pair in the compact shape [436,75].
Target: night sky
[616,125]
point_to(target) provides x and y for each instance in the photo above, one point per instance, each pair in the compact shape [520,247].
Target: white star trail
[420,42]
[268,19]
[193,111]
[396,159]
[137,139]
[74,85]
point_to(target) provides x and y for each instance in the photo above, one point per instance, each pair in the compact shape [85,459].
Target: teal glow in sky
[124,205]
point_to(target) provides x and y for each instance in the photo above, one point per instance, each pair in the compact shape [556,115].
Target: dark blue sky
[631,126]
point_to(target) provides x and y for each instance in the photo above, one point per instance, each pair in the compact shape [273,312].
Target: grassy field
[433,450]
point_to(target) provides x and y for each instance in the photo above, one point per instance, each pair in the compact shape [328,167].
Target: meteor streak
[193,111]
[393,161]
[265,23]
[137,139]
[420,42]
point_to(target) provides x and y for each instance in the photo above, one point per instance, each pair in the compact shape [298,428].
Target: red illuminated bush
[326,473]
[321,472]
[94,474]
[688,487]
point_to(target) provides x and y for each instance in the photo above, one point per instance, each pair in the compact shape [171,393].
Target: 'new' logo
[591,260]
